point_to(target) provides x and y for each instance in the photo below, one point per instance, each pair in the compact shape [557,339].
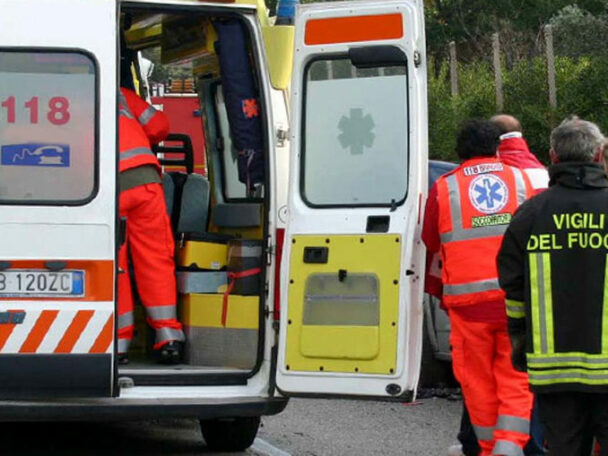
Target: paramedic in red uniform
[149,240]
[467,212]
[513,150]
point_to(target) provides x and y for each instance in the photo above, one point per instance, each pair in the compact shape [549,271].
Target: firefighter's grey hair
[576,140]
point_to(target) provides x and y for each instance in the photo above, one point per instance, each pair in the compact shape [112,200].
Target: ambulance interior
[218,217]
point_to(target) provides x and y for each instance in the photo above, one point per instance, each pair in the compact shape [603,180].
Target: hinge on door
[417,58]
[282,135]
[269,251]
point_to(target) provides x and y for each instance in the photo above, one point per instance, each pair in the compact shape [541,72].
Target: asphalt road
[306,428]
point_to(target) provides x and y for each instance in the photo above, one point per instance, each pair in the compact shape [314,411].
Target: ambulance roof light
[286,12]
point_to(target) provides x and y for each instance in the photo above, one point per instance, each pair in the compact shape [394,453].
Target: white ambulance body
[349,280]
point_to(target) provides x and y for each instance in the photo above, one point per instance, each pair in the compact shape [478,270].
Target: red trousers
[497,396]
[149,241]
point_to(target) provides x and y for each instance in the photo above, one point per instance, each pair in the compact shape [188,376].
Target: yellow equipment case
[218,333]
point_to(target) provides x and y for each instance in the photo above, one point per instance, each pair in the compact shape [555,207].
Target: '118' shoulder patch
[482,169]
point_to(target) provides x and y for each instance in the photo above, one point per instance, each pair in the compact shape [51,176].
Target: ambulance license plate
[23,282]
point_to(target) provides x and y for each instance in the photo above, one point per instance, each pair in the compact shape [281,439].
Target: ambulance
[326,211]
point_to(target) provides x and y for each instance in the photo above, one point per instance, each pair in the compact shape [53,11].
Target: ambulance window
[47,127]
[355,142]
[334,301]
[232,188]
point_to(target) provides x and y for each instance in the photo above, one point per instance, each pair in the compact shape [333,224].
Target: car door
[353,261]
[58,79]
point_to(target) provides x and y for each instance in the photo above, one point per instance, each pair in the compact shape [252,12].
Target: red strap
[233,276]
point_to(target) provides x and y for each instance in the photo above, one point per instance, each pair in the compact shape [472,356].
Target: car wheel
[230,434]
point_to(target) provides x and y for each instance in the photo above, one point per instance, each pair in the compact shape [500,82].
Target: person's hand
[518,355]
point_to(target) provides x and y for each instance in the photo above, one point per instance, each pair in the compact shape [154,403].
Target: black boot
[170,353]
[123,358]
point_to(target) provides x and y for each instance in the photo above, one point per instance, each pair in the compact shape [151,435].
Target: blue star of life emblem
[488,193]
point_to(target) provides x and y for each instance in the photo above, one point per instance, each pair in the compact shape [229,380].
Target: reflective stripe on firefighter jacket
[476,202]
[133,142]
[553,266]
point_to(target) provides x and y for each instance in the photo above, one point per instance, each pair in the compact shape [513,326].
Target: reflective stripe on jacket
[476,202]
[133,143]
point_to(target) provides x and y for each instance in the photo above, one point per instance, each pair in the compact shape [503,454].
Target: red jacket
[134,137]
[154,122]
[465,228]
[513,151]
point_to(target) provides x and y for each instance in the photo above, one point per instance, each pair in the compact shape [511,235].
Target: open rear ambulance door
[351,321]
[58,77]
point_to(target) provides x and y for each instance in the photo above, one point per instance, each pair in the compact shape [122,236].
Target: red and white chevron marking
[59,331]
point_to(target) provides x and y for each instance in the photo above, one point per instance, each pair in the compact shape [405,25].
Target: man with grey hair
[553,268]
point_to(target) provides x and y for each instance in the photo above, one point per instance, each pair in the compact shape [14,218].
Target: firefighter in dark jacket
[553,267]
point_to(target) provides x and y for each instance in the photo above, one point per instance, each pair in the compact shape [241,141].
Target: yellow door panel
[348,342]
[343,303]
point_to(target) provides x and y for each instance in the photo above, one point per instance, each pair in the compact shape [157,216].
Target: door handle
[316,255]
[378,224]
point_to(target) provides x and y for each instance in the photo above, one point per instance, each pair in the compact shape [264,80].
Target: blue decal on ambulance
[78,282]
[12,317]
[36,154]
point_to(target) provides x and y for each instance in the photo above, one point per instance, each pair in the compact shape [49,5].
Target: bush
[581,90]
[527,98]
[446,113]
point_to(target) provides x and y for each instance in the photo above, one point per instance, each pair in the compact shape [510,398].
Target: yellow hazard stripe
[546,259]
[515,309]
[555,376]
[568,359]
[605,313]
[534,293]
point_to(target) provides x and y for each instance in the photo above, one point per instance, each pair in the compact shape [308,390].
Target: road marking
[263,448]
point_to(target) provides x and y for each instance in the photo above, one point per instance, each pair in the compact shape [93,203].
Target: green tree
[579,32]
[471,22]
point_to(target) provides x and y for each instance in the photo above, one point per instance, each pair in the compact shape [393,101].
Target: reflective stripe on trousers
[484,432]
[125,320]
[123,345]
[513,423]
[505,423]
[164,321]
[164,335]
[507,448]
[161,312]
